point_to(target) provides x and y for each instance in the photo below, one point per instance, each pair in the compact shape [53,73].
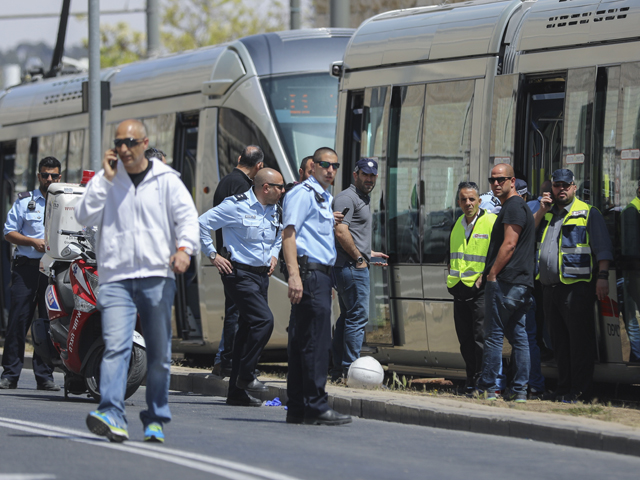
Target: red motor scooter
[71,338]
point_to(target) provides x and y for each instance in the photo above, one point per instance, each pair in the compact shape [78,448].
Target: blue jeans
[506,306]
[536,380]
[353,295]
[632,302]
[120,302]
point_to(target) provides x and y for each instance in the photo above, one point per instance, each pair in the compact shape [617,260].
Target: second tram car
[439,95]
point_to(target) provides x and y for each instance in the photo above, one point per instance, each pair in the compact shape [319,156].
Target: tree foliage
[119,44]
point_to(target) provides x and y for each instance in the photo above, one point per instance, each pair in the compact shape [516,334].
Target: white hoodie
[139,229]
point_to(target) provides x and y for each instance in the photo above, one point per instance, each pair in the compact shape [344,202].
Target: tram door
[187,310]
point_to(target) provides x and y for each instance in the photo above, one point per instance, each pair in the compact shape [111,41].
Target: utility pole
[95,107]
[340,14]
[153,28]
[295,15]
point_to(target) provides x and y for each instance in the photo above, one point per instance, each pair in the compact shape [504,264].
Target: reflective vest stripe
[576,250]
[475,258]
[456,255]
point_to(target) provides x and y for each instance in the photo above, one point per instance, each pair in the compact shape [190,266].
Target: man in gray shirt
[574,250]
[353,244]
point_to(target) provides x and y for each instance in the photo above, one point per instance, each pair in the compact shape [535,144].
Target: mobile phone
[345,211]
[378,260]
[113,163]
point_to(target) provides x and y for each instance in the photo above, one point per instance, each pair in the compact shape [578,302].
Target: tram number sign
[630,154]
[497,160]
[575,158]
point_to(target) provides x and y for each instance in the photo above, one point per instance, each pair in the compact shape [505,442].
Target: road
[43,436]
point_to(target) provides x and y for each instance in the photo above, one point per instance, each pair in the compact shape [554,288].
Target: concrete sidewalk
[439,412]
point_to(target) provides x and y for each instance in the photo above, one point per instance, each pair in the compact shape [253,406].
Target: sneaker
[49,385]
[7,384]
[535,395]
[511,396]
[485,395]
[568,398]
[153,433]
[101,424]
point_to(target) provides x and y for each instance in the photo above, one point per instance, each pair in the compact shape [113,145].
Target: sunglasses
[54,176]
[562,185]
[277,185]
[500,180]
[129,142]
[328,164]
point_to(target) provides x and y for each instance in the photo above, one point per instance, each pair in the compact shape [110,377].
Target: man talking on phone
[148,229]
[573,260]
[353,245]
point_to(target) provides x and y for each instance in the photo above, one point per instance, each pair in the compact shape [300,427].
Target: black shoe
[568,398]
[294,419]
[245,400]
[6,384]
[254,385]
[220,371]
[330,417]
[49,386]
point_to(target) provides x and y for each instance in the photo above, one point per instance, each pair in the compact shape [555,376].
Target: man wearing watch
[353,245]
[573,260]
[251,227]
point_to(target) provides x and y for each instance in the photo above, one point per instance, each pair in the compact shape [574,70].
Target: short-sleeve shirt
[519,270]
[358,219]
[26,221]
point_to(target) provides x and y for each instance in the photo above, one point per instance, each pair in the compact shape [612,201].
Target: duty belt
[249,268]
[21,260]
[326,269]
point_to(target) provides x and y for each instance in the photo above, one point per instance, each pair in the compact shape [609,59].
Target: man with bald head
[250,224]
[508,279]
[148,230]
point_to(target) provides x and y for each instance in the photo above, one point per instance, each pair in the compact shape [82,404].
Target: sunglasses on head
[54,176]
[328,164]
[500,180]
[129,142]
[277,185]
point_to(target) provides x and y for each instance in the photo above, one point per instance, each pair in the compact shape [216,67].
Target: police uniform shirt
[307,208]
[27,221]
[249,229]
[599,242]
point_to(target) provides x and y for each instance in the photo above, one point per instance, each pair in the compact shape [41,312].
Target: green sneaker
[153,433]
[101,424]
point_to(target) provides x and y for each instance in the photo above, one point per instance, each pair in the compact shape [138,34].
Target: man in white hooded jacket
[147,231]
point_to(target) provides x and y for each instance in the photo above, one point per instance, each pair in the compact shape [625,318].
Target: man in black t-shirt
[509,281]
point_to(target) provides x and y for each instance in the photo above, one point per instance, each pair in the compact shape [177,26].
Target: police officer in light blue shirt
[25,229]
[309,253]
[251,235]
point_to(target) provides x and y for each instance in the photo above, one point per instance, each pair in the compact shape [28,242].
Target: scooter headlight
[93,282]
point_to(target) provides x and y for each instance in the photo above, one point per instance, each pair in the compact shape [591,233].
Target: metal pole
[295,15]
[340,14]
[153,28]
[95,108]
[58,51]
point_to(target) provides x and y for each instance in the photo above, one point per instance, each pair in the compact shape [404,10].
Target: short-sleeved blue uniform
[307,207]
[252,234]
[28,287]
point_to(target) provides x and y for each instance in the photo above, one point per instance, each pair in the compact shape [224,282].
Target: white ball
[365,372]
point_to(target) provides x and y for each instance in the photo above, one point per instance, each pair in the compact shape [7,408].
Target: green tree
[119,44]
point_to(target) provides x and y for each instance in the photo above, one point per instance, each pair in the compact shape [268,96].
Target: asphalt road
[43,436]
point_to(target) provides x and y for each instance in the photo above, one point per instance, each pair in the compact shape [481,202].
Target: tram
[441,94]
[201,108]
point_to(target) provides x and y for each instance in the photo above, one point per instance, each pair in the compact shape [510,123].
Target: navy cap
[563,175]
[521,187]
[367,165]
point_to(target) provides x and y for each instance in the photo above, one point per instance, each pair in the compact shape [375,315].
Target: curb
[548,428]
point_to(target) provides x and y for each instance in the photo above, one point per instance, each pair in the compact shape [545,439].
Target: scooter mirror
[71,251]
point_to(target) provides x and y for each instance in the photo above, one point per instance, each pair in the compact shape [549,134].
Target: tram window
[74,158]
[161,131]
[353,135]
[629,131]
[236,131]
[403,185]
[305,108]
[445,161]
[503,118]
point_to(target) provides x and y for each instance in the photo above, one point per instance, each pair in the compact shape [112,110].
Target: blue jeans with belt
[506,307]
[353,295]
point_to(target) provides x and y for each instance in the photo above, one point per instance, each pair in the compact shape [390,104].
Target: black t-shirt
[519,270]
[235,183]
[137,178]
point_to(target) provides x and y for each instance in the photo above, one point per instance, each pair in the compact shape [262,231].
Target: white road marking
[217,466]
[26,476]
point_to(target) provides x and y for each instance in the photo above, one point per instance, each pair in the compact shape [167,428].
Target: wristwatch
[186,250]
[360,260]
[213,255]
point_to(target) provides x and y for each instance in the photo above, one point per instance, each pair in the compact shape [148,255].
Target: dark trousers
[569,311]
[309,345]
[28,288]
[468,316]
[255,323]
[229,329]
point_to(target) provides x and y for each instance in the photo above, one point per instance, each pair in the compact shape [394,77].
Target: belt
[326,269]
[249,268]
[21,260]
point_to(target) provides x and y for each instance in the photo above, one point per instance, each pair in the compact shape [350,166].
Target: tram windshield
[305,108]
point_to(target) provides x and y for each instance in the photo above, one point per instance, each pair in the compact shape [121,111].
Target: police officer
[25,229]
[468,247]
[309,251]
[250,225]
[575,245]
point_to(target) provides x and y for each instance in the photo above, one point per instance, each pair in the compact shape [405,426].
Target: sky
[34,30]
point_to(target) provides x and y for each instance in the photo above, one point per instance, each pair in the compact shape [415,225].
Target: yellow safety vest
[574,251]
[467,259]
[636,203]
